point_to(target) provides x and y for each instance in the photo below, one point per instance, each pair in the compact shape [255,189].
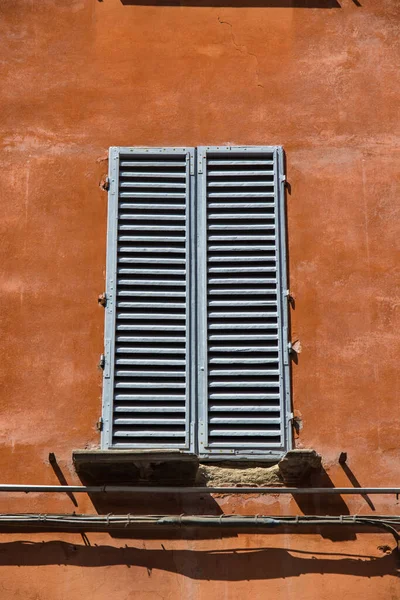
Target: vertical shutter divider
[110,309]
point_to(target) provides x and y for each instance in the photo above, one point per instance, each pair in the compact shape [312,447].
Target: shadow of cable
[220,565]
[171,504]
[240,3]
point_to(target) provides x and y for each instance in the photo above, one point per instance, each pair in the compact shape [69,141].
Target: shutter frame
[239,451]
[196,408]
[114,198]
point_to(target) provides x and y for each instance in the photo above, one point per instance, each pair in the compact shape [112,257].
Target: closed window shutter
[244,370]
[147,374]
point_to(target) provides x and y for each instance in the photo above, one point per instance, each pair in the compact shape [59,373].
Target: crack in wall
[242,48]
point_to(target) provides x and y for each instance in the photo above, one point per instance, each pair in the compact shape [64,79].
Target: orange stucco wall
[78,76]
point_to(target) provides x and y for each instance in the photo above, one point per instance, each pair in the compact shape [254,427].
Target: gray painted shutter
[244,366]
[147,374]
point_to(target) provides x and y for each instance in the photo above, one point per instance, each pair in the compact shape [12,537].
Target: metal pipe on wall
[129,489]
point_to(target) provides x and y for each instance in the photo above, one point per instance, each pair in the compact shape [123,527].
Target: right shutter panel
[245,385]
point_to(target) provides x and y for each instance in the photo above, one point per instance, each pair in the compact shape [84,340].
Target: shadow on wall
[141,504]
[241,3]
[220,565]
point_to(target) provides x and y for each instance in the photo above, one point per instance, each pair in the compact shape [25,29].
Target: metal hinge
[102,299]
[190,162]
[201,162]
[105,184]
[102,361]
[290,297]
[99,424]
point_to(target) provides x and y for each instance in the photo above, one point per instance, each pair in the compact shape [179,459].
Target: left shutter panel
[147,379]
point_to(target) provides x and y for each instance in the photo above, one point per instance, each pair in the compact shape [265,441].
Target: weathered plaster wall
[80,75]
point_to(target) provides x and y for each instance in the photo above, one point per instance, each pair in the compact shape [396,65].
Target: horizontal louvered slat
[152,228]
[154,409]
[154,217]
[245,162]
[241,205]
[151,305]
[151,350]
[243,397]
[250,383]
[245,325]
[152,175]
[244,420]
[245,227]
[240,183]
[149,385]
[244,348]
[242,360]
[246,406]
[146,433]
[244,385]
[140,184]
[156,163]
[229,313]
[148,399]
[244,258]
[153,294]
[244,337]
[231,291]
[151,328]
[161,237]
[144,271]
[146,362]
[151,206]
[145,422]
[240,248]
[242,372]
[147,195]
[151,261]
[225,280]
[150,376]
[151,316]
[229,194]
[154,282]
[238,173]
[163,251]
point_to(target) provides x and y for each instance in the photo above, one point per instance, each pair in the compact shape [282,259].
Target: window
[196,332]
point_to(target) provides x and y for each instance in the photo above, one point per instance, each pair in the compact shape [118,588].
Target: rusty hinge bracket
[99,424]
[105,184]
[102,299]
[102,362]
